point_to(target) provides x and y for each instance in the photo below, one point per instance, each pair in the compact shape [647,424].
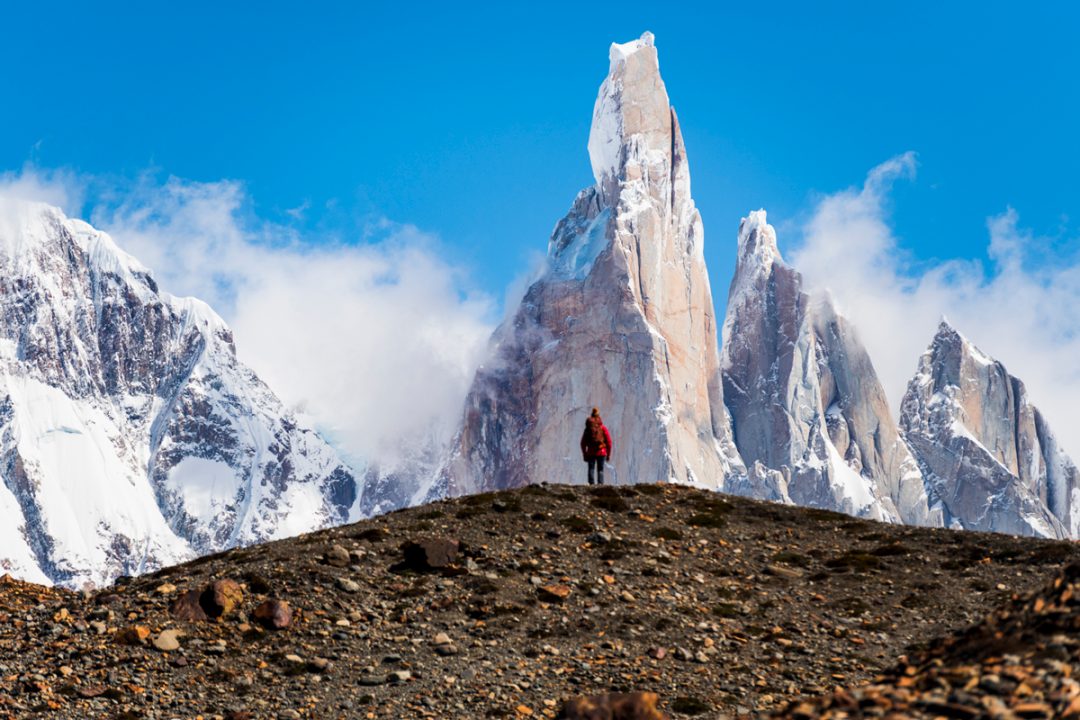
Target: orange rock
[132,635]
[274,614]
[222,598]
[553,593]
[614,706]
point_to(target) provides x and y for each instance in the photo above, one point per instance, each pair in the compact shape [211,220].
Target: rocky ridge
[812,423]
[986,452]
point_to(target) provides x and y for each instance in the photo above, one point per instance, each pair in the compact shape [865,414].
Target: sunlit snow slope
[130,435]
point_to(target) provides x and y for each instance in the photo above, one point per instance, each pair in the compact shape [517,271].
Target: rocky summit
[622,318]
[811,419]
[653,601]
[988,454]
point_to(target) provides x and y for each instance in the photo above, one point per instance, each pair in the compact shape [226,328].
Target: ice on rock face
[130,435]
[1011,477]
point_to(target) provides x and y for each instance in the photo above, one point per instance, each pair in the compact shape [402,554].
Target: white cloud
[1019,308]
[60,188]
[377,340]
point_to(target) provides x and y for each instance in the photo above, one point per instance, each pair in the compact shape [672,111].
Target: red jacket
[590,451]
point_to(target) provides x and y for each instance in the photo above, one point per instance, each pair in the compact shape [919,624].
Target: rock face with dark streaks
[986,451]
[622,319]
[810,417]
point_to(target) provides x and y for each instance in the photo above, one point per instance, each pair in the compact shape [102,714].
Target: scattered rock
[337,556]
[553,593]
[430,554]
[347,585]
[274,614]
[132,635]
[613,706]
[221,598]
[167,640]
[188,608]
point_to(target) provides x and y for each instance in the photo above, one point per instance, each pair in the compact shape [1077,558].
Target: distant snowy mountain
[130,435]
[811,419]
[985,450]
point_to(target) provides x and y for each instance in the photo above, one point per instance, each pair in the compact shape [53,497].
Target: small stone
[274,614]
[132,635]
[430,554]
[783,572]
[319,665]
[221,598]
[188,608]
[638,705]
[337,556]
[441,639]
[553,593]
[399,676]
[165,589]
[627,596]
[167,640]
[348,585]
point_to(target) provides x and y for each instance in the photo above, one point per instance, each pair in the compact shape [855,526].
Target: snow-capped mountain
[621,319]
[811,419]
[987,453]
[130,435]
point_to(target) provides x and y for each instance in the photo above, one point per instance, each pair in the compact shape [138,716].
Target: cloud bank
[376,339]
[1022,307]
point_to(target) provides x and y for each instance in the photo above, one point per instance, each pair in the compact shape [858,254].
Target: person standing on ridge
[595,446]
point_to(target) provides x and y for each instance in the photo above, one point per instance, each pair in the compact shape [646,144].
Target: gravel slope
[721,605]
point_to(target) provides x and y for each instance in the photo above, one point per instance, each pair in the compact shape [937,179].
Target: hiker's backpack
[594,430]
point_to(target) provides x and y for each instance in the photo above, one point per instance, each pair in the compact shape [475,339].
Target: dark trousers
[596,465]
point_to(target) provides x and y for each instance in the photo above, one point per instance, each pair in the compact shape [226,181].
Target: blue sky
[471,124]
[460,134]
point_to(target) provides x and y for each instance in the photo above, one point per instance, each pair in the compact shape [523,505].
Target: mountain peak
[757,240]
[962,403]
[619,52]
[947,336]
[632,104]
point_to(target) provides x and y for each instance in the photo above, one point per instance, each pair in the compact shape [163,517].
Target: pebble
[348,585]
[337,556]
[167,640]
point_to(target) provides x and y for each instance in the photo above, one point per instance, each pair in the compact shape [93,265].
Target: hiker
[595,447]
